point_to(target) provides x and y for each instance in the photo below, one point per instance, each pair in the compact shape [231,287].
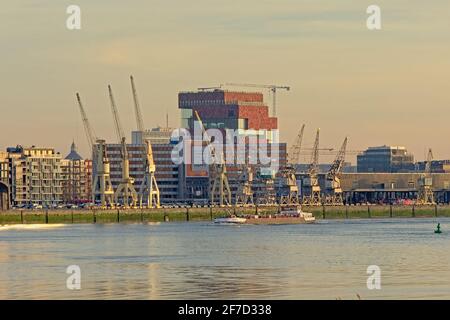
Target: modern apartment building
[35,176]
[4,181]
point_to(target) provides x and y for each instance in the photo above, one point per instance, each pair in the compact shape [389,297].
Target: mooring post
[118,215]
[71,215]
[187,214]
[211,212]
[323,211]
[256,209]
[21,216]
[368,212]
[346,211]
[413,212]
[46,216]
[94,217]
[390,210]
[142,215]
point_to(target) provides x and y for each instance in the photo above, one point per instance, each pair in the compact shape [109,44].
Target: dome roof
[73,155]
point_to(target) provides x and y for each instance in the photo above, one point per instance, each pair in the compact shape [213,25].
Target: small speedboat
[230,220]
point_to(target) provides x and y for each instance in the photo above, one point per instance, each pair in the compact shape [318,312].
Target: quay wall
[208,214]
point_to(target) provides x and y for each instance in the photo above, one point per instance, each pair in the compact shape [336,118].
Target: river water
[200,260]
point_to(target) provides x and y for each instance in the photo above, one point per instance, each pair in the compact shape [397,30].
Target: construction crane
[273,88]
[101,185]
[425,194]
[125,190]
[148,191]
[209,88]
[332,181]
[311,181]
[294,152]
[219,186]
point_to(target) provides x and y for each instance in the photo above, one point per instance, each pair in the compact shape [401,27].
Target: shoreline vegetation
[207,214]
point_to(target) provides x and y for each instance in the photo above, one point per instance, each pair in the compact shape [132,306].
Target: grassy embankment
[205,214]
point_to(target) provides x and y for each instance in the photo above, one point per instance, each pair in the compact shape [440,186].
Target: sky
[388,86]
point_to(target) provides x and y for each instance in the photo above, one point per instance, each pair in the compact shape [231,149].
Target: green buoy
[438,229]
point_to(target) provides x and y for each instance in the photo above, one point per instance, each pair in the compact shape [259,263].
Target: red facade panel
[230,96]
[258,117]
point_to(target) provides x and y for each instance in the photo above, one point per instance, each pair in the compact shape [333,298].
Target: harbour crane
[244,193]
[289,187]
[425,194]
[137,108]
[90,135]
[330,152]
[332,180]
[102,189]
[273,88]
[125,190]
[267,196]
[311,181]
[148,191]
[294,152]
[219,186]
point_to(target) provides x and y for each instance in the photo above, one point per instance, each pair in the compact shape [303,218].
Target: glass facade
[385,159]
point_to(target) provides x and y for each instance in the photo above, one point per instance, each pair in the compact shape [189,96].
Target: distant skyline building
[437,166]
[385,159]
[158,135]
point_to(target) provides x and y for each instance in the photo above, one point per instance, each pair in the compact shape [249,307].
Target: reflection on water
[29,226]
[206,261]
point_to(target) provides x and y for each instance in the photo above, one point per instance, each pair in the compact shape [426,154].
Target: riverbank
[204,214]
